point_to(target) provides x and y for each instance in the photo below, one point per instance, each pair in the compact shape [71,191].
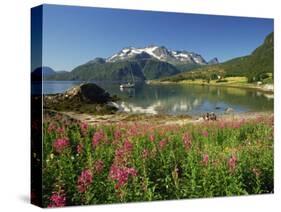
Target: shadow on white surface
[24,198]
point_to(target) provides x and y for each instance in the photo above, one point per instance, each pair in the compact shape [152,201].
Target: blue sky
[75,35]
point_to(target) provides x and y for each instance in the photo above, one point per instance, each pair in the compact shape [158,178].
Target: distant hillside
[254,66]
[261,60]
[42,73]
[119,71]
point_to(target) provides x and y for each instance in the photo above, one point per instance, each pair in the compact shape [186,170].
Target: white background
[15,106]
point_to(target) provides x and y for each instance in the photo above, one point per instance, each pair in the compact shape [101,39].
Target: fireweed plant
[88,164]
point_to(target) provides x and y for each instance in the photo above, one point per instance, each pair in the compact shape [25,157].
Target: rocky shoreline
[84,98]
[126,118]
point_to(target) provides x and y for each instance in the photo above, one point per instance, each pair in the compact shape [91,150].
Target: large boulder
[91,93]
[86,93]
[87,98]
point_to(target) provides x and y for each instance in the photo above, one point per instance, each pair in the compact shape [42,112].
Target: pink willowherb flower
[60,144]
[152,138]
[79,148]
[145,153]
[123,153]
[232,163]
[162,144]
[51,127]
[186,140]
[205,133]
[84,126]
[205,159]
[132,130]
[60,130]
[57,199]
[84,180]
[98,137]
[127,146]
[99,165]
[117,134]
[119,155]
[121,175]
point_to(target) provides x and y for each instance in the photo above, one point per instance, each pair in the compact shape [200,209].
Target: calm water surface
[177,99]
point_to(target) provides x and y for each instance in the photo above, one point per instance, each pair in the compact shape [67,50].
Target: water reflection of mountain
[179,99]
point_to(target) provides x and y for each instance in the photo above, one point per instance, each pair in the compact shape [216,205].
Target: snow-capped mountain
[160,53]
[151,62]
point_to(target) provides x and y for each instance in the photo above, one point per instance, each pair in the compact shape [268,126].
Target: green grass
[237,82]
[226,81]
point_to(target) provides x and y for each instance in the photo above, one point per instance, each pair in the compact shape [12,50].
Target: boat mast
[132,76]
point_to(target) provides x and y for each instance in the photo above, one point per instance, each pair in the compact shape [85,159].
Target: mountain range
[158,62]
[158,53]
[151,62]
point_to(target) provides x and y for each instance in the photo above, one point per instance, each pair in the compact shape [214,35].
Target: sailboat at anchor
[129,84]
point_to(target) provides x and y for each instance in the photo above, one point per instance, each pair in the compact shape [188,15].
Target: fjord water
[177,99]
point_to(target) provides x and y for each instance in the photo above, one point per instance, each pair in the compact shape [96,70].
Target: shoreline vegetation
[232,82]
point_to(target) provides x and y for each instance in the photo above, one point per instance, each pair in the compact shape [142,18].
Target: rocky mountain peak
[160,53]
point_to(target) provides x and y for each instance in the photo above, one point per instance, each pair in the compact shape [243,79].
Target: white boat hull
[127,85]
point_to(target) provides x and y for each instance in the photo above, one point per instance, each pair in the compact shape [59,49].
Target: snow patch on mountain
[159,53]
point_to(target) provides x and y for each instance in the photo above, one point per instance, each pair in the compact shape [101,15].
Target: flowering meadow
[128,162]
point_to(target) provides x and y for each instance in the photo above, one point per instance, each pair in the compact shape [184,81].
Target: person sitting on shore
[213,117]
[210,116]
[206,117]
